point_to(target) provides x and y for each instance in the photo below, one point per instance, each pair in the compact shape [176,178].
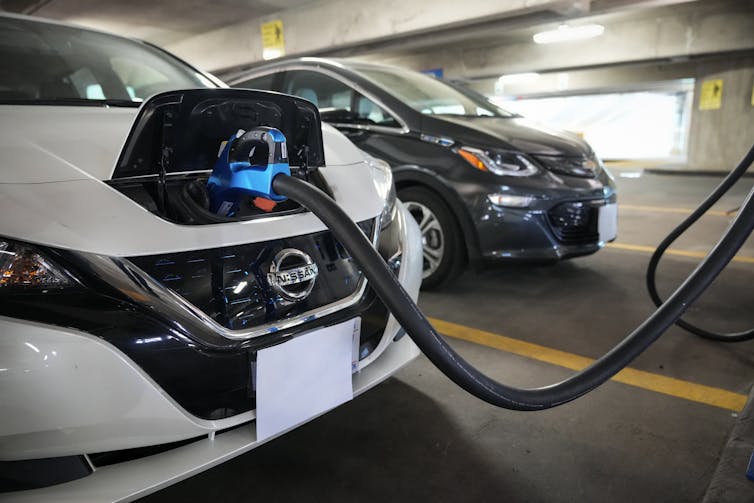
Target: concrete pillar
[720,138]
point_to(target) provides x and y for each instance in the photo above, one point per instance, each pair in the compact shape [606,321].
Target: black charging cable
[651,277]
[442,355]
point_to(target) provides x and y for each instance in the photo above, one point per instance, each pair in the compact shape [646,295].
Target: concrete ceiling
[162,22]
[660,35]
[469,39]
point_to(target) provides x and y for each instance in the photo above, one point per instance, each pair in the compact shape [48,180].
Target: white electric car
[144,338]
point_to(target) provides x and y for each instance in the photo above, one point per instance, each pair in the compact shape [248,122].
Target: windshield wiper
[73,102]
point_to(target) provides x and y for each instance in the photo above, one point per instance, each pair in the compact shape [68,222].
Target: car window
[337,102]
[429,95]
[326,92]
[49,62]
[367,111]
[264,83]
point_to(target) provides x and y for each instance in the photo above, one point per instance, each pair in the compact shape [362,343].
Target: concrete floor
[417,437]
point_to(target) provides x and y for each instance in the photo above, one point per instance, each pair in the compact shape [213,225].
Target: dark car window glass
[334,99]
[264,83]
[369,112]
[326,92]
[49,62]
[429,95]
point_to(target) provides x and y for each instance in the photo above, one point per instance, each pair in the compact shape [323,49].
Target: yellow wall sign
[273,43]
[711,96]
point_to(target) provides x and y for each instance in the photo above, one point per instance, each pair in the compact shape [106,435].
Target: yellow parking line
[708,395]
[666,209]
[671,251]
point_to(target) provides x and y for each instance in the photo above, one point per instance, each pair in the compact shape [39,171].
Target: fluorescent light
[518,78]
[566,33]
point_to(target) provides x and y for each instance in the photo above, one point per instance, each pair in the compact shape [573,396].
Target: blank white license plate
[304,377]
[608,222]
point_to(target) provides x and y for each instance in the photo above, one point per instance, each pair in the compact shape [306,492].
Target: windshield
[431,96]
[48,63]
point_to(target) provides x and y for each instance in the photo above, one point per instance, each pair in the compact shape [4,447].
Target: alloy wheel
[433,238]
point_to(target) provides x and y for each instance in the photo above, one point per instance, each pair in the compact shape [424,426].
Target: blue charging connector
[247,163]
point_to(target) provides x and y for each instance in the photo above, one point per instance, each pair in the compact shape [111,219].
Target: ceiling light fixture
[565,33]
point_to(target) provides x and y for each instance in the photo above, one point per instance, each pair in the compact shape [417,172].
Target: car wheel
[441,238]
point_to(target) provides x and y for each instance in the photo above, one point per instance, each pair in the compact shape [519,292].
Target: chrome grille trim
[165,295]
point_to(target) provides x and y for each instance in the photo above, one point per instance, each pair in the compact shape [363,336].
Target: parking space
[418,437]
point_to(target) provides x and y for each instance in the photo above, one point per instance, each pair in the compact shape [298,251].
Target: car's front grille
[575,223]
[230,284]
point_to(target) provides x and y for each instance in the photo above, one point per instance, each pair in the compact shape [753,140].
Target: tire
[444,254]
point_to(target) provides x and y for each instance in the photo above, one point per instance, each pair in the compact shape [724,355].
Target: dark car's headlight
[24,267]
[499,162]
[582,167]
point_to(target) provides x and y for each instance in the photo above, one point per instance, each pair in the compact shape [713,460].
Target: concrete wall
[342,23]
[620,78]
[669,33]
[720,138]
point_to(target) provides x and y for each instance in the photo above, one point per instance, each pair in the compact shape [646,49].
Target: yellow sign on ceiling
[711,96]
[273,43]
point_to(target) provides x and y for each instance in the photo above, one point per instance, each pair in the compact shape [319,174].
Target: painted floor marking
[666,209]
[671,251]
[687,390]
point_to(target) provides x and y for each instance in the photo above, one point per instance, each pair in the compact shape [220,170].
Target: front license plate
[608,222]
[303,378]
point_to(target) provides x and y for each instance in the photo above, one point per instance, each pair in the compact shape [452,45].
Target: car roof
[353,65]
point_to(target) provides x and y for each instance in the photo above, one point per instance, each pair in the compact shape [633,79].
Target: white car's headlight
[23,266]
[383,181]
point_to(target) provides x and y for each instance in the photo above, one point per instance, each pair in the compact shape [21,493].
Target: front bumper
[67,392]
[533,233]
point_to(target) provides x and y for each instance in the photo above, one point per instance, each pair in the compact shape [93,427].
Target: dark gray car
[485,185]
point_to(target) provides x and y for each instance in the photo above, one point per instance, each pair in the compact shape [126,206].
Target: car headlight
[26,267]
[498,162]
[383,181]
[582,167]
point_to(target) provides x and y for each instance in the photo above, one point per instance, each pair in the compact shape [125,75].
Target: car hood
[43,144]
[514,133]
[52,190]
